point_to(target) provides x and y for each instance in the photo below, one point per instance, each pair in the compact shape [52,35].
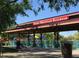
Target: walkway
[38,53]
[34,53]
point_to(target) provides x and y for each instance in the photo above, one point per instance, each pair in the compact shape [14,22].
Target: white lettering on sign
[46,21]
[60,18]
[56,19]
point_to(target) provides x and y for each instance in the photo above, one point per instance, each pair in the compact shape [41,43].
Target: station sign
[50,20]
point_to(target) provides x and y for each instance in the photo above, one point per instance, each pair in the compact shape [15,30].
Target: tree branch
[13,1]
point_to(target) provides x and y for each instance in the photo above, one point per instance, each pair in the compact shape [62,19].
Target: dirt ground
[37,53]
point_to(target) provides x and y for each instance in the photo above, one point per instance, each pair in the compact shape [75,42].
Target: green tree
[49,39]
[8,11]
[76,36]
[56,4]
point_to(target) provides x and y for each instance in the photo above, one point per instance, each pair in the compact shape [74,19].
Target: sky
[47,13]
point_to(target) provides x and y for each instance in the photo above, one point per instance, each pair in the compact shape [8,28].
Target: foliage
[8,11]
[71,37]
[76,36]
[48,36]
[56,4]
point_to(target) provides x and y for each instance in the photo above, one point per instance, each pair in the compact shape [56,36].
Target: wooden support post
[34,43]
[1,47]
[19,36]
[18,43]
[41,42]
[8,37]
[56,35]
[56,40]
[28,40]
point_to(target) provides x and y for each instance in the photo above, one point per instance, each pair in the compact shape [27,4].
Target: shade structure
[59,23]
